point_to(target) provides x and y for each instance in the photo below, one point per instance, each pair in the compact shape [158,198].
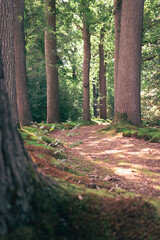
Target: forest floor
[101,161]
[127,163]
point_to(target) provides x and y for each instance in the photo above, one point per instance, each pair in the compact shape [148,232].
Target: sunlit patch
[127,173]
[134,166]
[157,187]
[146,150]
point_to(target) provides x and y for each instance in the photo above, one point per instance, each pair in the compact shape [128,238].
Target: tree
[86,70]
[102,78]
[24,111]
[127,79]
[95,101]
[16,176]
[51,63]
[117,26]
[7,35]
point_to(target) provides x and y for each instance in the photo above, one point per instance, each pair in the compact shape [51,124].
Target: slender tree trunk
[102,78]
[117,30]
[74,69]
[95,102]
[7,35]
[127,97]
[24,111]
[86,70]
[51,63]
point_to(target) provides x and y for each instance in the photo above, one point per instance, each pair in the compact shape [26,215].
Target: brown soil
[122,163]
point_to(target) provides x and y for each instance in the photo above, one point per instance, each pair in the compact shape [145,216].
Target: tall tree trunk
[51,63]
[24,111]
[117,30]
[86,70]
[102,78]
[127,97]
[7,35]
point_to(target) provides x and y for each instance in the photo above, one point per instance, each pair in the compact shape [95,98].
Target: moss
[72,212]
[88,216]
[128,130]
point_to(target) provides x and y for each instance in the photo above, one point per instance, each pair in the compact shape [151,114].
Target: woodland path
[127,164]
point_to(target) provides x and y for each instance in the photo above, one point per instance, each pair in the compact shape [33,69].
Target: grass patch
[149,173]
[128,130]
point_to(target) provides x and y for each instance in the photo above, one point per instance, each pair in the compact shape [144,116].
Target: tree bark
[102,78]
[117,30]
[24,111]
[16,170]
[7,36]
[127,95]
[86,70]
[51,63]
[20,182]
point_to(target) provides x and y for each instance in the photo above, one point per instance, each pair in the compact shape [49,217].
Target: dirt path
[127,163]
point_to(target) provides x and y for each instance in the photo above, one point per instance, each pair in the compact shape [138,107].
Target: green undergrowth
[37,136]
[66,125]
[70,213]
[148,133]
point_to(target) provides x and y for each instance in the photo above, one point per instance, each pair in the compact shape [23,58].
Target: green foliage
[70,19]
[150,65]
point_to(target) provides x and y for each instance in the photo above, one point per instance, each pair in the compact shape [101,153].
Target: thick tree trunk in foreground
[7,36]
[102,78]
[16,171]
[127,96]
[24,111]
[86,70]
[20,182]
[51,63]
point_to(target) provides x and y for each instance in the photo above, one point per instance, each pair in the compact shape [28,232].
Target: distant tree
[127,78]
[95,101]
[24,111]
[7,35]
[102,78]
[51,63]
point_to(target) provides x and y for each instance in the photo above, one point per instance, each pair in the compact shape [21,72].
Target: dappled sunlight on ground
[127,162]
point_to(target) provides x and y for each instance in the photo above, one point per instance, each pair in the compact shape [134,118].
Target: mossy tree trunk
[128,71]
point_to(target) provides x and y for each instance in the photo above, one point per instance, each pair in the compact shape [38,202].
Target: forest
[80,120]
